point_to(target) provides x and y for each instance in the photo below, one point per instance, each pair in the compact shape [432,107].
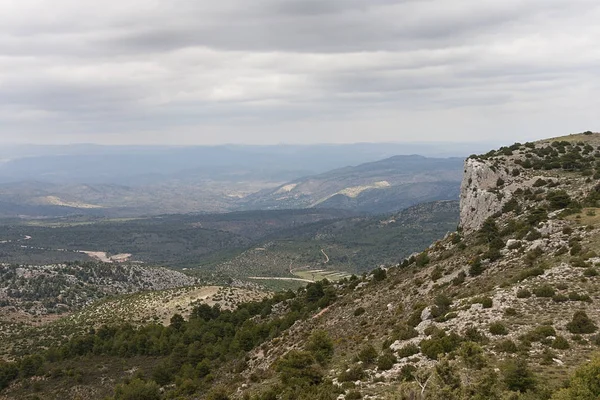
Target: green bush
[298,368]
[523,294]
[442,344]
[353,395]
[321,346]
[574,296]
[560,343]
[137,389]
[407,373]
[408,350]
[386,361]
[581,324]
[544,291]
[506,346]
[379,274]
[352,374]
[404,332]
[476,268]
[583,384]
[539,333]
[367,354]
[559,298]
[498,328]
[472,334]
[517,376]
[485,301]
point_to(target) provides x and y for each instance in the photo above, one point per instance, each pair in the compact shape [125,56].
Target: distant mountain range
[378,187]
[133,181]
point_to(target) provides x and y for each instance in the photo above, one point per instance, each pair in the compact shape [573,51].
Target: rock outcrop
[480,195]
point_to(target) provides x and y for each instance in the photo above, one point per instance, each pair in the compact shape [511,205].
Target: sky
[297,71]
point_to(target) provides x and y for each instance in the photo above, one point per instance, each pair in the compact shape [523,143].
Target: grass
[588,216]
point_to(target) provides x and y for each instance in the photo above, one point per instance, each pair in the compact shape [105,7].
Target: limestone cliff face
[480,194]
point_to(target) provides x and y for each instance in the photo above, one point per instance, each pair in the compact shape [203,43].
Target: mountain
[503,308]
[134,181]
[383,186]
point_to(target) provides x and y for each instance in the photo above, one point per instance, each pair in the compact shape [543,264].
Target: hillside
[504,308]
[352,245]
[126,181]
[379,187]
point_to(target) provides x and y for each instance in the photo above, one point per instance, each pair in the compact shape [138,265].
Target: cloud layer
[268,71]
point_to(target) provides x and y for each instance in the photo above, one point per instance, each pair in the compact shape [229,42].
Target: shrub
[574,296]
[321,346]
[404,332]
[558,199]
[523,294]
[407,373]
[498,328]
[472,334]
[137,389]
[581,323]
[485,301]
[386,361]
[368,354]
[506,346]
[440,345]
[408,350]
[560,343]
[530,272]
[544,291]
[436,274]
[352,374]
[472,355]
[359,311]
[353,395]
[583,384]
[298,368]
[442,305]
[539,333]
[379,274]
[517,376]
[476,267]
[460,278]
[590,272]
[559,298]
[422,259]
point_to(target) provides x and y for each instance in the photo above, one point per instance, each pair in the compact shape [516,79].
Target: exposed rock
[477,202]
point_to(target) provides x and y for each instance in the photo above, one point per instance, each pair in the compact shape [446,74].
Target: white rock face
[477,203]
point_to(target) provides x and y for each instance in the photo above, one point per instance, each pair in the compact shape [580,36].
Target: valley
[490,298]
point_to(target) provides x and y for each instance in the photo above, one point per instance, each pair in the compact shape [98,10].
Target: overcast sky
[297,71]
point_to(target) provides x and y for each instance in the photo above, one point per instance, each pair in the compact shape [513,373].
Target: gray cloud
[184,71]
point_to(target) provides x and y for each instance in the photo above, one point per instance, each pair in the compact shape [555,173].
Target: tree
[321,346]
[297,368]
[177,322]
[584,383]
[517,376]
[581,323]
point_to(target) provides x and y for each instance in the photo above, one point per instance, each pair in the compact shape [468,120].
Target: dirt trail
[326,256]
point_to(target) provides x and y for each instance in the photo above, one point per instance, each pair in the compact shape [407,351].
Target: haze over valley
[299,200]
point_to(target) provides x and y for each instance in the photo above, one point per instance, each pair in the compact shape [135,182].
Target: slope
[505,308]
[383,186]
